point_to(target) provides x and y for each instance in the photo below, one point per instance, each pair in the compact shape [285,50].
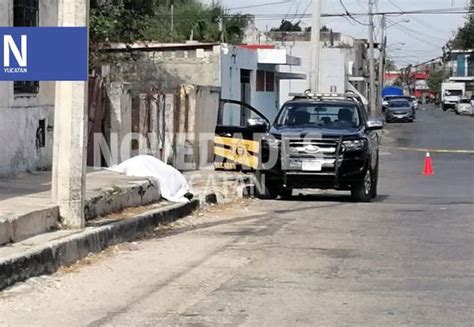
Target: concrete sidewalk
[46,252]
[26,208]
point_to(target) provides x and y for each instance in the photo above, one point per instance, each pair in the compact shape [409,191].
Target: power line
[415,18]
[417,38]
[289,10]
[297,10]
[305,10]
[441,11]
[416,32]
[350,16]
[261,5]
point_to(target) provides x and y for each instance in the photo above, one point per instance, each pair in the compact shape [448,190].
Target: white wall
[233,59]
[333,65]
[333,72]
[20,114]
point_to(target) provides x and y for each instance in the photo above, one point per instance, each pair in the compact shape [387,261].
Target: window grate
[25,14]
[20,87]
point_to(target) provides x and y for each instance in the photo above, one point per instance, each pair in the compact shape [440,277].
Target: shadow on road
[343,198]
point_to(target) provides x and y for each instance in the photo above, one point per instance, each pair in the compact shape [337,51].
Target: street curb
[48,258]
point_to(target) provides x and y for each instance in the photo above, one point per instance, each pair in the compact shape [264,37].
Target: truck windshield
[453,92]
[319,115]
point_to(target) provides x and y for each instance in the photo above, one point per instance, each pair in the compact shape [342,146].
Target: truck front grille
[299,150]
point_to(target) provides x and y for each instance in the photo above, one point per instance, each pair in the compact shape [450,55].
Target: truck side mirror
[374,124]
[257,124]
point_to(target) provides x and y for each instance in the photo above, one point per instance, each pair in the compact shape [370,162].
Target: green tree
[435,80]
[464,38]
[147,20]
[288,26]
[390,65]
[398,82]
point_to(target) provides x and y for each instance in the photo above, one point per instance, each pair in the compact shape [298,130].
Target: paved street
[320,260]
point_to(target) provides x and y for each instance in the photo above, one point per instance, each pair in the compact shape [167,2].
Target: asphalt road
[319,260]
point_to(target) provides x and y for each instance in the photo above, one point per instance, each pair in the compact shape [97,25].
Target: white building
[26,108]
[254,74]
[341,69]
[343,63]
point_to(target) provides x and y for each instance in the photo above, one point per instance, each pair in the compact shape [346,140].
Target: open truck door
[236,141]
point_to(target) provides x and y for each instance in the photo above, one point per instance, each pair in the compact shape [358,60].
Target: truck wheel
[375,180]
[286,193]
[444,108]
[264,189]
[363,190]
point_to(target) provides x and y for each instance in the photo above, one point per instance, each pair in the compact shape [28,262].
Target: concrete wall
[336,65]
[333,71]
[20,114]
[165,70]
[233,60]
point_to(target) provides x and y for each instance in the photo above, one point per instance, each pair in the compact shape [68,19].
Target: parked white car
[464,106]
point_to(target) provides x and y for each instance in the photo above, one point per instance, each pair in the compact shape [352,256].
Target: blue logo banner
[43,54]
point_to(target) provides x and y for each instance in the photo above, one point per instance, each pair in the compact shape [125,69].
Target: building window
[270,81]
[260,81]
[265,81]
[26,14]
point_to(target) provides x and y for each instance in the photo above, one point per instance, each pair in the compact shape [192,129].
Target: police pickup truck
[316,141]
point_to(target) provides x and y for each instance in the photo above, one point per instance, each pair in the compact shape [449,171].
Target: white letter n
[10,45]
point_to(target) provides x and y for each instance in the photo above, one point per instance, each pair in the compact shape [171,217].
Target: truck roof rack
[348,95]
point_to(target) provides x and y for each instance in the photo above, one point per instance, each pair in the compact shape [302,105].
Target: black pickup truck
[319,142]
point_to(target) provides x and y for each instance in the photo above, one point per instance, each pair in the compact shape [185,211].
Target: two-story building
[461,68]
[343,64]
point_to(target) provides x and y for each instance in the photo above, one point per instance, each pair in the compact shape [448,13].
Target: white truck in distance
[451,93]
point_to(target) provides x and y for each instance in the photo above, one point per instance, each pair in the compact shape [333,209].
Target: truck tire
[444,107]
[265,189]
[286,193]
[375,179]
[363,191]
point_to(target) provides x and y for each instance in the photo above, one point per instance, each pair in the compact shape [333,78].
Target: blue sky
[415,41]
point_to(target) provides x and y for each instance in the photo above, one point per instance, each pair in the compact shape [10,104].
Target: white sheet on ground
[173,184]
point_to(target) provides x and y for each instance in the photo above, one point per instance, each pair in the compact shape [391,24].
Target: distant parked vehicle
[399,109]
[451,93]
[386,101]
[465,106]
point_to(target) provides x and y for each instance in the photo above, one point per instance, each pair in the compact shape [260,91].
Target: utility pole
[70,130]
[372,95]
[383,47]
[315,47]
[172,21]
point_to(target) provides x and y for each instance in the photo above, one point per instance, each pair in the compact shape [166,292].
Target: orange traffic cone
[428,169]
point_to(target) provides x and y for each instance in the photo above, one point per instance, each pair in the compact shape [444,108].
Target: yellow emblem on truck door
[232,151]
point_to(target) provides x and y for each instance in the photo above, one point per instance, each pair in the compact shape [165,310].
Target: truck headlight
[272,142]
[354,145]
